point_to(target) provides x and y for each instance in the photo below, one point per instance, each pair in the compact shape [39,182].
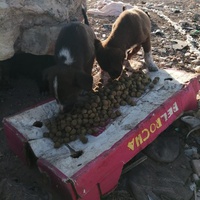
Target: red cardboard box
[96,172]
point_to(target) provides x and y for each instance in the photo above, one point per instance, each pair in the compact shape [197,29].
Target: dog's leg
[128,66]
[132,51]
[148,56]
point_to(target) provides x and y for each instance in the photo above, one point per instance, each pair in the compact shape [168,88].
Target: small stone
[158,32]
[104,35]
[179,44]
[195,178]
[196,17]
[187,54]
[162,64]
[169,64]
[190,151]
[195,156]
[196,62]
[107,26]
[151,85]
[83,138]
[192,186]
[194,33]
[96,33]
[163,51]
[192,57]
[197,69]
[196,166]
[155,80]
[198,194]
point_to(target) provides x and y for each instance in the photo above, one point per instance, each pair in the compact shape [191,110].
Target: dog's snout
[66,108]
[115,74]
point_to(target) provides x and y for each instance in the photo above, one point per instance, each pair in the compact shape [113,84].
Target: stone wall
[32,26]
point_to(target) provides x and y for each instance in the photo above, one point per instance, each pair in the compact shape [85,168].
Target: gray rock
[165,148]
[191,120]
[196,17]
[196,62]
[151,180]
[32,26]
[195,178]
[190,151]
[196,166]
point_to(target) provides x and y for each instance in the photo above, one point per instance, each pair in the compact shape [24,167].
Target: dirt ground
[18,181]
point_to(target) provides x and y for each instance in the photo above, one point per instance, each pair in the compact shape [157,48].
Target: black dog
[75,54]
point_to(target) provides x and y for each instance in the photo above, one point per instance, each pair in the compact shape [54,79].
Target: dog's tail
[148,14]
[85,15]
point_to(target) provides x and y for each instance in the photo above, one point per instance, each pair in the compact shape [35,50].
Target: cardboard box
[96,172]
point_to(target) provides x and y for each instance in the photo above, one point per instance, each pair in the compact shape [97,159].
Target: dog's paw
[152,67]
[149,62]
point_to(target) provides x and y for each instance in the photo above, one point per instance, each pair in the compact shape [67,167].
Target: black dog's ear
[97,44]
[83,80]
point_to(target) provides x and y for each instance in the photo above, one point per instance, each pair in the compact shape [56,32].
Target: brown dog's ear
[117,55]
[83,80]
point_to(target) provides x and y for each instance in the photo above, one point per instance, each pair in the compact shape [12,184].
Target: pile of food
[99,109]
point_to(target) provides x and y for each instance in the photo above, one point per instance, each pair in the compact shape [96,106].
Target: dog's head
[66,84]
[110,59]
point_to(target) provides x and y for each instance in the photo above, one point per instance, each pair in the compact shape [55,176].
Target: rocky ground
[175,44]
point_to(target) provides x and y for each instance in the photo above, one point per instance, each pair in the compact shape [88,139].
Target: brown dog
[130,31]
[75,54]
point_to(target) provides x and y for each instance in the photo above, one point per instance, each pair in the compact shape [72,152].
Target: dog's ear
[118,55]
[97,44]
[83,80]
